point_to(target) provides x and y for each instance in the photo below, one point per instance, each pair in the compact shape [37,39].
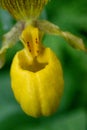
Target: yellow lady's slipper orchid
[37,80]
[27,12]
[36,73]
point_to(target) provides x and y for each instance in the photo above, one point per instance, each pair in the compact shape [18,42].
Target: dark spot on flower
[36,41]
[37,51]
[28,44]
[30,50]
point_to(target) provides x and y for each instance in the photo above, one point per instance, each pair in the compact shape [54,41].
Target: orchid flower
[36,72]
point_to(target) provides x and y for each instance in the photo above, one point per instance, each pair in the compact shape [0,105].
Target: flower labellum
[37,80]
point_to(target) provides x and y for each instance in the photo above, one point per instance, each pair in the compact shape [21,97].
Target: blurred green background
[70,15]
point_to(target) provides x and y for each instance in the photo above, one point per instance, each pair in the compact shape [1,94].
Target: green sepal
[23,9]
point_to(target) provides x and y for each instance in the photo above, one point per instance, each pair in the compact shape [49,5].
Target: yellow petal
[23,9]
[38,86]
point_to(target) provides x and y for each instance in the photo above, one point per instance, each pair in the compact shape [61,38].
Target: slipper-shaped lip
[38,92]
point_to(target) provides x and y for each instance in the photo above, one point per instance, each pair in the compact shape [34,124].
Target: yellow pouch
[38,84]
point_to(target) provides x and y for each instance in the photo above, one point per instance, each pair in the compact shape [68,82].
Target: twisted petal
[23,9]
[74,41]
[10,39]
